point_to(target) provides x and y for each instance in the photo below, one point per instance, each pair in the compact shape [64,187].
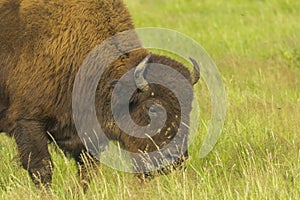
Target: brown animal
[42,46]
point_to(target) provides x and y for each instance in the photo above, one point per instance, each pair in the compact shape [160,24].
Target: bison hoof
[41,177]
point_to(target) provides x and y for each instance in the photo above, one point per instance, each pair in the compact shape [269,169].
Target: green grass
[256,45]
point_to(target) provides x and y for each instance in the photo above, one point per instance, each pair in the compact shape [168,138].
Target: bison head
[150,106]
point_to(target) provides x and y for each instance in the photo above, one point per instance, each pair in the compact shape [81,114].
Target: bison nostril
[186,155]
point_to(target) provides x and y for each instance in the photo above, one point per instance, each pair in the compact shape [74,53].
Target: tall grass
[256,45]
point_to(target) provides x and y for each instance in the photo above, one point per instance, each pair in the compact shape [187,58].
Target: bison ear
[195,75]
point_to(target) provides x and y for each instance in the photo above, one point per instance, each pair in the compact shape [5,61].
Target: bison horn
[196,72]
[139,79]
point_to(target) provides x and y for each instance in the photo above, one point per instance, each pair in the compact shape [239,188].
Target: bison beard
[42,45]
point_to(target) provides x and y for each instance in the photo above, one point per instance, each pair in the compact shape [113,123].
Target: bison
[43,43]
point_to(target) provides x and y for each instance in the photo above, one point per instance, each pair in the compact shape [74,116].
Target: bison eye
[155,109]
[152,109]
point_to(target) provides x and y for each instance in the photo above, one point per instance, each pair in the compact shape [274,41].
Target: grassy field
[256,45]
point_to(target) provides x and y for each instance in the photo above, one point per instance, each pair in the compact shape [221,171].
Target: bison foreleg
[32,145]
[87,168]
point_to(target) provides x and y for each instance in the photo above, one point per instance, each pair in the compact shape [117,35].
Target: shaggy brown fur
[42,45]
